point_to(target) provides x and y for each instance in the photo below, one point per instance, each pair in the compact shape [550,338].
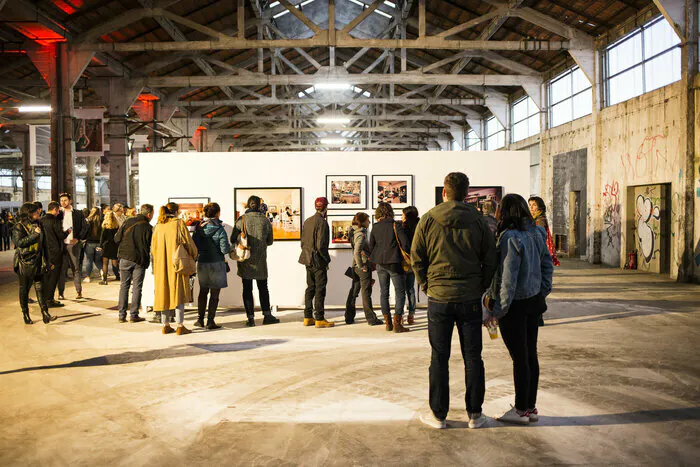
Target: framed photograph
[396,190]
[346,191]
[476,195]
[88,132]
[340,225]
[191,209]
[282,206]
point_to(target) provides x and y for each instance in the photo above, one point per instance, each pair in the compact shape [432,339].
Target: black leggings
[519,329]
[25,283]
[213,302]
[249,300]
[105,266]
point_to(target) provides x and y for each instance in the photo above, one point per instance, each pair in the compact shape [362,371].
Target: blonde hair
[110,221]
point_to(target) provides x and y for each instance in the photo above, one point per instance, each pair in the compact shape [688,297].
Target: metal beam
[674,12]
[288,129]
[362,16]
[284,118]
[300,16]
[330,100]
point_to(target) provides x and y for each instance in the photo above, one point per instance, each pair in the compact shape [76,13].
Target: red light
[202,128]
[148,97]
[69,6]
[39,33]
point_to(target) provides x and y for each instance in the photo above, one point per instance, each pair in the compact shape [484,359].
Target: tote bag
[182,260]
[242,251]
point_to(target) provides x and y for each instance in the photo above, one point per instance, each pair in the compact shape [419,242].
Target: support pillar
[91,162]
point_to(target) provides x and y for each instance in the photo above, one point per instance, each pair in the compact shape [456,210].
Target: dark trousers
[361,283]
[51,281]
[130,272]
[25,283]
[213,295]
[71,259]
[411,292]
[249,301]
[394,274]
[519,329]
[315,297]
[442,318]
[6,242]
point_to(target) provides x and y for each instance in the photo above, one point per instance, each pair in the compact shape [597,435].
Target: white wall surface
[215,175]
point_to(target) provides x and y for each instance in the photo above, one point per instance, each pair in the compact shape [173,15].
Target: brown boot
[398,324]
[411,319]
[387,322]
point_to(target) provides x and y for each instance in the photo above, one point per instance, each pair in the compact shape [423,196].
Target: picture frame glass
[340,226]
[191,209]
[282,206]
[346,191]
[396,190]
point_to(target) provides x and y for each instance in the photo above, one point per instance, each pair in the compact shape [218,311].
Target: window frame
[526,119]
[568,74]
[489,136]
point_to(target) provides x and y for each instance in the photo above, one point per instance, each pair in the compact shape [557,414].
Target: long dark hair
[411,213]
[513,213]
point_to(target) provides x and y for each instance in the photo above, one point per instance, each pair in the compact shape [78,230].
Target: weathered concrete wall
[569,173]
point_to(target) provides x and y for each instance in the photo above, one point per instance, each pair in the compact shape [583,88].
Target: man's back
[315,236]
[53,236]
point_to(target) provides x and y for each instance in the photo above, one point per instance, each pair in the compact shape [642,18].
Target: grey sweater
[360,247]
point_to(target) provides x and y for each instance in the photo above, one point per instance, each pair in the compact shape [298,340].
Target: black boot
[251,321]
[269,319]
[47,318]
[200,320]
[27,318]
[211,314]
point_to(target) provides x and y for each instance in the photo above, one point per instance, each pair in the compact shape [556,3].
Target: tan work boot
[309,321]
[168,330]
[387,323]
[398,324]
[411,319]
[322,323]
[182,330]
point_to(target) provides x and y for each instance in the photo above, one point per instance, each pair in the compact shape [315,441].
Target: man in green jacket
[454,258]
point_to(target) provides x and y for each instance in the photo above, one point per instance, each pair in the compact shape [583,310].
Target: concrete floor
[620,384]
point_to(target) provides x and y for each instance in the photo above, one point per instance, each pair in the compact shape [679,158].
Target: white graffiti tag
[645,233]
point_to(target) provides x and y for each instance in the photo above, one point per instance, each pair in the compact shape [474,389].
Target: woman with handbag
[174,253]
[516,297]
[108,247]
[387,246]
[361,272]
[213,246]
[31,260]
[409,222]
[251,236]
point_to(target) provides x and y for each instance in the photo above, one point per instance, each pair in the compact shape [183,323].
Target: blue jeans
[93,258]
[130,271]
[411,292]
[393,273]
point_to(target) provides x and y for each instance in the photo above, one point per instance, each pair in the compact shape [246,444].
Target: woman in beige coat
[172,289]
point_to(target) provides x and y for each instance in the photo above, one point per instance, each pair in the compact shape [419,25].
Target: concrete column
[91,162]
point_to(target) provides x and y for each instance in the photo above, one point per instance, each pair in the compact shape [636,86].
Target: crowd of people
[491,267]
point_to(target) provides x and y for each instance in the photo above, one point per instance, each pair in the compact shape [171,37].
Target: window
[495,134]
[473,141]
[80,186]
[7,178]
[526,119]
[43,183]
[570,97]
[645,59]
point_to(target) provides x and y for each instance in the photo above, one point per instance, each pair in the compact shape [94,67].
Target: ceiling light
[334,141]
[333,120]
[34,108]
[332,86]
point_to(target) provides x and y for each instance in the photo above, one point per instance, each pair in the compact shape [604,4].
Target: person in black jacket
[409,222]
[387,240]
[315,238]
[54,237]
[74,220]
[134,241]
[30,260]
[4,232]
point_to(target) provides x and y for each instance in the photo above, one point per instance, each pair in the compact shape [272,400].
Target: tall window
[43,183]
[526,119]
[495,134]
[645,59]
[473,141]
[570,97]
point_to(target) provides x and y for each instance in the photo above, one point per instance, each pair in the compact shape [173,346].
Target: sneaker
[211,325]
[476,420]
[432,421]
[269,319]
[55,304]
[79,296]
[61,297]
[533,415]
[199,323]
[250,323]
[138,319]
[87,280]
[323,323]
[512,416]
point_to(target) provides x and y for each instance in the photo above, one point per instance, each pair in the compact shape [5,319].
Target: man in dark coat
[54,238]
[315,238]
[74,220]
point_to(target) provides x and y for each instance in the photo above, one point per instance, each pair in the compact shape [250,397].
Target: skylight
[282,13]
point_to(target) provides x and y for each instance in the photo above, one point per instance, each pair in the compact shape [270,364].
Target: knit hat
[321,203]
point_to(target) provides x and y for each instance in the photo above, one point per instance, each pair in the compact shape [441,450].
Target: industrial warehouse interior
[349,232]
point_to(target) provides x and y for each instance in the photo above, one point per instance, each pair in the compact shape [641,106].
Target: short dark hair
[514,213]
[211,210]
[146,209]
[27,210]
[359,219]
[39,204]
[66,195]
[53,205]
[456,186]
[253,203]
[383,211]
[539,202]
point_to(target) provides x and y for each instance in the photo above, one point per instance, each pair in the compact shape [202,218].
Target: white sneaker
[432,421]
[512,416]
[476,420]
[86,280]
[533,415]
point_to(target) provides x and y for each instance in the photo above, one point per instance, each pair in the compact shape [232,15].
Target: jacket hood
[210,227]
[455,215]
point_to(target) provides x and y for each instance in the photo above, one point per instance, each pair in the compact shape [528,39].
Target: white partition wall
[215,175]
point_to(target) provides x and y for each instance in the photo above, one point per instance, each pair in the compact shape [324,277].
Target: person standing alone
[454,259]
[315,238]
[134,253]
[73,220]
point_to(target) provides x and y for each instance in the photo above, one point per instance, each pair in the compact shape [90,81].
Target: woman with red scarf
[539,214]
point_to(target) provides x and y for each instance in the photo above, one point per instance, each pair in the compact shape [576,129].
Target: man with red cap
[315,238]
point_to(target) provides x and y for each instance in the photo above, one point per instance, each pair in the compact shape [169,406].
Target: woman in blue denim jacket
[516,299]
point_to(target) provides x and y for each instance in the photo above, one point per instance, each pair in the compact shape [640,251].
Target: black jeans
[361,282]
[442,318]
[213,295]
[519,329]
[411,292]
[51,281]
[6,242]
[387,274]
[25,283]
[315,297]
[249,301]
[129,272]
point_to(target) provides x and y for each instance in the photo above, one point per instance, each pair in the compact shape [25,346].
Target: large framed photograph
[281,205]
[396,190]
[88,132]
[476,195]
[340,226]
[191,209]
[346,191]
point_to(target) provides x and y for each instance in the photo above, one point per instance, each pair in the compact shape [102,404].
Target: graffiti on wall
[648,160]
[648,216]
[611,214]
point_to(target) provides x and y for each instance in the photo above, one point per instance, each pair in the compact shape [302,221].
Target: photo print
[282,206]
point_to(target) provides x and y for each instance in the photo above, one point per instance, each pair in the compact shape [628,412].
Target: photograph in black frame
[346,192]
[191,208]
[340,225]
[475,195]
[396,190]
[284,209]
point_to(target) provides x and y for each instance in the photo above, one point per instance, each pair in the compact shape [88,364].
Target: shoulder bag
[182,260]
[405,257]
[242,251]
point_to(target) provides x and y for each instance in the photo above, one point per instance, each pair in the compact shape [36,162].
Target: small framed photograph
[340,225]
[346,191]
[282,206]
[396,190]
[191,209]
